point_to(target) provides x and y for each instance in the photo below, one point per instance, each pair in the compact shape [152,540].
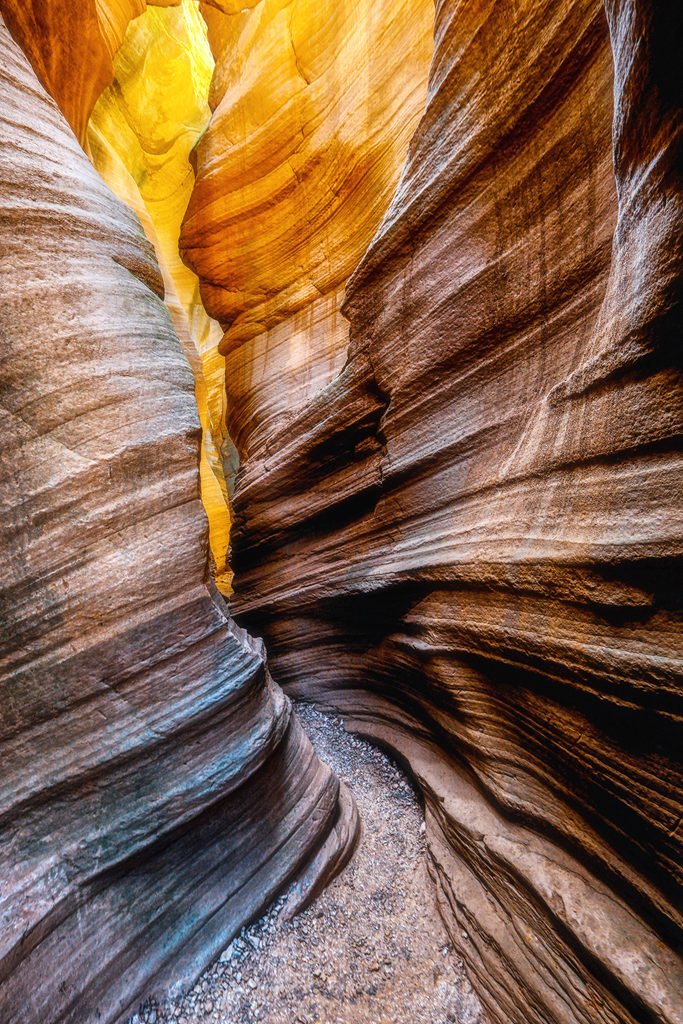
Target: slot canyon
[340,371]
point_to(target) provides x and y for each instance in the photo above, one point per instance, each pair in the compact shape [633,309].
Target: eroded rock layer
[469,540]
[71,47]
[155,791]
[140,136]
[132,77]
[310,127]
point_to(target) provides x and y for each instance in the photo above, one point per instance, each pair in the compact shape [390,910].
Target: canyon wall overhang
[469,540]
[156,791]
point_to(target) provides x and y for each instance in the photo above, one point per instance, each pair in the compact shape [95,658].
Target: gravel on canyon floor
[371,949]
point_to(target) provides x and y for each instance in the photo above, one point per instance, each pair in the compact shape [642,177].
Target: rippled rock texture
[458,521]
[469,540]
[314,103]
[132,80]
[156,792]
[140,137]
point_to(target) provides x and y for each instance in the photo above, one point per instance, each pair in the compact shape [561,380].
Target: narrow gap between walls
[140,136]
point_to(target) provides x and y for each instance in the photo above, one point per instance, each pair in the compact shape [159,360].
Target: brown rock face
[468,540]
[463,531]
[155,791]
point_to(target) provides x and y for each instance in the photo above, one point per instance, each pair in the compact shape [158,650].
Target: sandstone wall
[132,80]
[140,138]
[310,127]
[458,523]
[469,541]
[156,792]
[71,47]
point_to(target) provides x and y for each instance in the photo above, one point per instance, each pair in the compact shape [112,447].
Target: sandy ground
[372,948]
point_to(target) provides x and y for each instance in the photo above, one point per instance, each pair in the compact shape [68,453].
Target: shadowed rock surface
[463,530]
[469,541]
[154,781]
[372,949]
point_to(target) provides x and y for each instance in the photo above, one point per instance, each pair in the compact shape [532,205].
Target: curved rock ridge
[469,542]
[140,136]
[310,127]
[71,46]
[156,791]
[133,83]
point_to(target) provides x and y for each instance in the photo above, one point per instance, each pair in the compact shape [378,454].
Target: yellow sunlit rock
[140,136]
[310,129]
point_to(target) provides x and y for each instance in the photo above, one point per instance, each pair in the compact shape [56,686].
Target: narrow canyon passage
[339,373]
[372,949]
[139,137]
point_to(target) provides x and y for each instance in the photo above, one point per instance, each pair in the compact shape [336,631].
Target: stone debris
[372,948]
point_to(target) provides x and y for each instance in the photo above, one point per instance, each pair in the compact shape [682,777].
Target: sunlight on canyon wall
[317,129]
[71,47]
[310,129]
[157,791]
[140,136]
[456,523]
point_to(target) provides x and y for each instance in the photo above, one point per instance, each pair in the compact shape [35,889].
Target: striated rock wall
[469,541]
[140,137]
[458,523]
[71,47]
[156,792]
[310,127]
[132,80]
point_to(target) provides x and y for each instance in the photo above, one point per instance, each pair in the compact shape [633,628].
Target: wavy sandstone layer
[314,103]
[156,791]
[140,137]
[132,79]
[71,47]
[469,541]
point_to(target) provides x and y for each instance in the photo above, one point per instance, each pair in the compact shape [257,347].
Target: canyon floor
[370,950]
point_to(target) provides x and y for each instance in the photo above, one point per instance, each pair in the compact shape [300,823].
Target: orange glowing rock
[71,45]
[310,128]
[140,136]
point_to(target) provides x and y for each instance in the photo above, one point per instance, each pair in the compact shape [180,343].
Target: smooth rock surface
[154,781]
[132,79]
[469,542]
[71,45]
